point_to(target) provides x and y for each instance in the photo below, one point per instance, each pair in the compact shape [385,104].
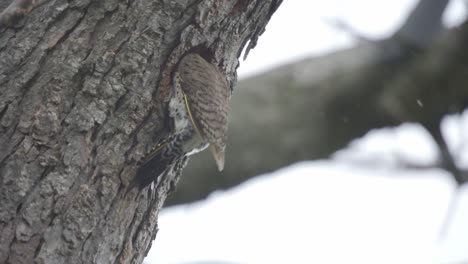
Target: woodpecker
[199,109]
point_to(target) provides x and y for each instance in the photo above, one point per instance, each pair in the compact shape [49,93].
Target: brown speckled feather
[208,98]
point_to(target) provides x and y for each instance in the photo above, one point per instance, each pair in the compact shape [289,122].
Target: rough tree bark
[312,108]
[83,88]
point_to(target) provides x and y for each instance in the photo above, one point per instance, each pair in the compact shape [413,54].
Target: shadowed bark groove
[83,88]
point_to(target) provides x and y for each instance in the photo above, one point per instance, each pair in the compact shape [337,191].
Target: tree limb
[312,108]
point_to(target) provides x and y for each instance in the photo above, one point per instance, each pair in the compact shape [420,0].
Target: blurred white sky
[301,28]
[339,211]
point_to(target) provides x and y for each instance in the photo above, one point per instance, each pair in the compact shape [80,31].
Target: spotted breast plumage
[199,109]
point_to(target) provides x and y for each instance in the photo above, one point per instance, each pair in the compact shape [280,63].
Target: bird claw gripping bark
[199,109]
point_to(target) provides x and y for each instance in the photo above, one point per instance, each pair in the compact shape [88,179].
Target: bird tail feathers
[157,163]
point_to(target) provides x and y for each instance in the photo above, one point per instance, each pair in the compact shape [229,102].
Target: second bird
[199,107]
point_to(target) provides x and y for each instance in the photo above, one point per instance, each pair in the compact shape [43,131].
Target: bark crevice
[83,93]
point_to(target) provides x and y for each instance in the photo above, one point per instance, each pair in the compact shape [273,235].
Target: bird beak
[218,155]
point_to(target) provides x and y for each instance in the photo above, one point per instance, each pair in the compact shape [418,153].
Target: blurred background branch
[314,107]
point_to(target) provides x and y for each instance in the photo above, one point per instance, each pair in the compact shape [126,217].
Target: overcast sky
[301,28]
[339,211]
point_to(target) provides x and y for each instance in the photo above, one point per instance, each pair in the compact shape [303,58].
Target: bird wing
[207,94]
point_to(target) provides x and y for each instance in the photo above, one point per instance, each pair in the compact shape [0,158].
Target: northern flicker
[199,109]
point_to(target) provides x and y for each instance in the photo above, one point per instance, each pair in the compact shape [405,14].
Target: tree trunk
[310,109]
[84,87]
